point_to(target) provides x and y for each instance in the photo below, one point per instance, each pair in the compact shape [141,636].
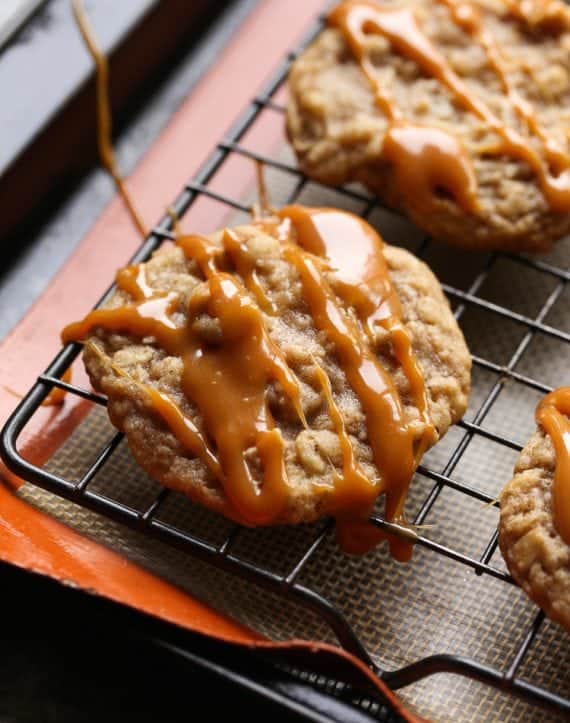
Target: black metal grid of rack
[287,585]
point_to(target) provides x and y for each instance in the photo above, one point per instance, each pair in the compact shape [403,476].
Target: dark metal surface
[287,585]
[108,668]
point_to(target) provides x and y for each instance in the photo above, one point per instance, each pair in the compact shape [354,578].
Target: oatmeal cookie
[534,549]
[456,113]
[131,362]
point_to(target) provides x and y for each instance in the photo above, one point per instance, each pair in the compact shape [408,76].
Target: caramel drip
[104,142]
[425,159]
[428,161]
[184,429]
[353,489]
[552,414]
[202,251]
[206,254]
[132,279]
[228,383]
[354,493]
[149,318]
[181,426]
[390,437]
[446,165]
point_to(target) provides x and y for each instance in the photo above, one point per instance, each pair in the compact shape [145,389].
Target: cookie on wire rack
[281,371]
[534,530]
[454,112]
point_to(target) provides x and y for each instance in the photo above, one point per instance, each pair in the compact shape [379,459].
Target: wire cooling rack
[287,585]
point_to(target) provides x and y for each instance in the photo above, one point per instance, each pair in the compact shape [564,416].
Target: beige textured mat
[401,612]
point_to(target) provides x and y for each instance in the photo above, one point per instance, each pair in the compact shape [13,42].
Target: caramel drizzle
[352,487]
[184,429]
[227,382]
[354,492]
[104,142]
[354,252]
[469,18]
[432,155]
[553,414]
[132,279]
[181,426]
[341,266]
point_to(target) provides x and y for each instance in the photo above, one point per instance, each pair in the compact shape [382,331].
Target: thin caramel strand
[104,139]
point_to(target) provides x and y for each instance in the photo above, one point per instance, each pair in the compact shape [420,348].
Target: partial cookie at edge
[537,557]
[337,132]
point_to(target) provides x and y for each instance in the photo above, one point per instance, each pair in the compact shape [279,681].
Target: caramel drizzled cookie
[282,371]
[457,113]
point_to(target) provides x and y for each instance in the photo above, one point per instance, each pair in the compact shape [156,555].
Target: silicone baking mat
[400,612]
